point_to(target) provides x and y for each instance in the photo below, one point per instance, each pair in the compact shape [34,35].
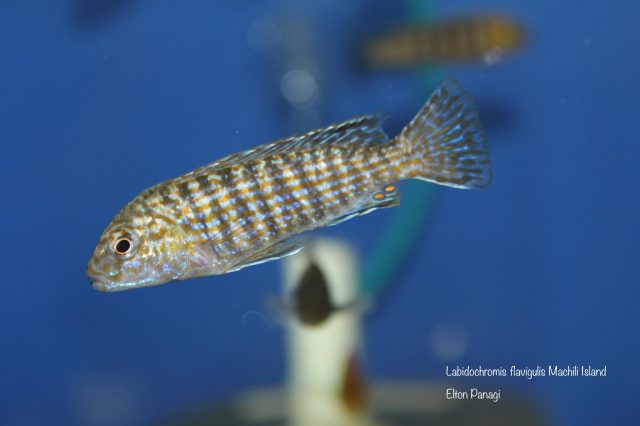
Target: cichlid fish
[450,41]
[246,208]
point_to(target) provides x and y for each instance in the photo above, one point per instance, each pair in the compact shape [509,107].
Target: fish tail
[444,142]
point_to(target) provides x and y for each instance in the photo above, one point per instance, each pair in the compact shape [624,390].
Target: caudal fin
[445,141]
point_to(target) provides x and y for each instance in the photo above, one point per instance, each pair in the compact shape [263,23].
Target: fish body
[450,41]
[246,208]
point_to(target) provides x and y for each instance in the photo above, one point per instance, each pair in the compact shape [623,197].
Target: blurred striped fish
[245,208]
[449,41]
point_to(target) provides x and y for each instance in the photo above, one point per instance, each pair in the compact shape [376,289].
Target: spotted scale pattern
[245,207]
[241,207]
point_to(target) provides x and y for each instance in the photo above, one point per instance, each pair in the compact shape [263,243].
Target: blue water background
[541,268]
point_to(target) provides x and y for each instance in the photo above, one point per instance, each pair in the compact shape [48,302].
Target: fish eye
[123,246]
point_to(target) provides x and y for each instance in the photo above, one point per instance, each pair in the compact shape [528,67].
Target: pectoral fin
[273,252]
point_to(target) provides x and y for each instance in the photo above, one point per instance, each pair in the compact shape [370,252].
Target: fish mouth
[98,282]
[100,286]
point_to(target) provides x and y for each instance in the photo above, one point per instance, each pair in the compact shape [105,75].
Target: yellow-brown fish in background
[450,41]
[248,207]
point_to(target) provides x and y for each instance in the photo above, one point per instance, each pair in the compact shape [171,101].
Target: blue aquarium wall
[100,100]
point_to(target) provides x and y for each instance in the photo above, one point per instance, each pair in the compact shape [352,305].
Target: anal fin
[380,199]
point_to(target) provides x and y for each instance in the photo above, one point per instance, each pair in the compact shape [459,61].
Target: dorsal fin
[363,130]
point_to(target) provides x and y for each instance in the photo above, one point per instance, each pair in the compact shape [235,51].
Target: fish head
[138,252]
